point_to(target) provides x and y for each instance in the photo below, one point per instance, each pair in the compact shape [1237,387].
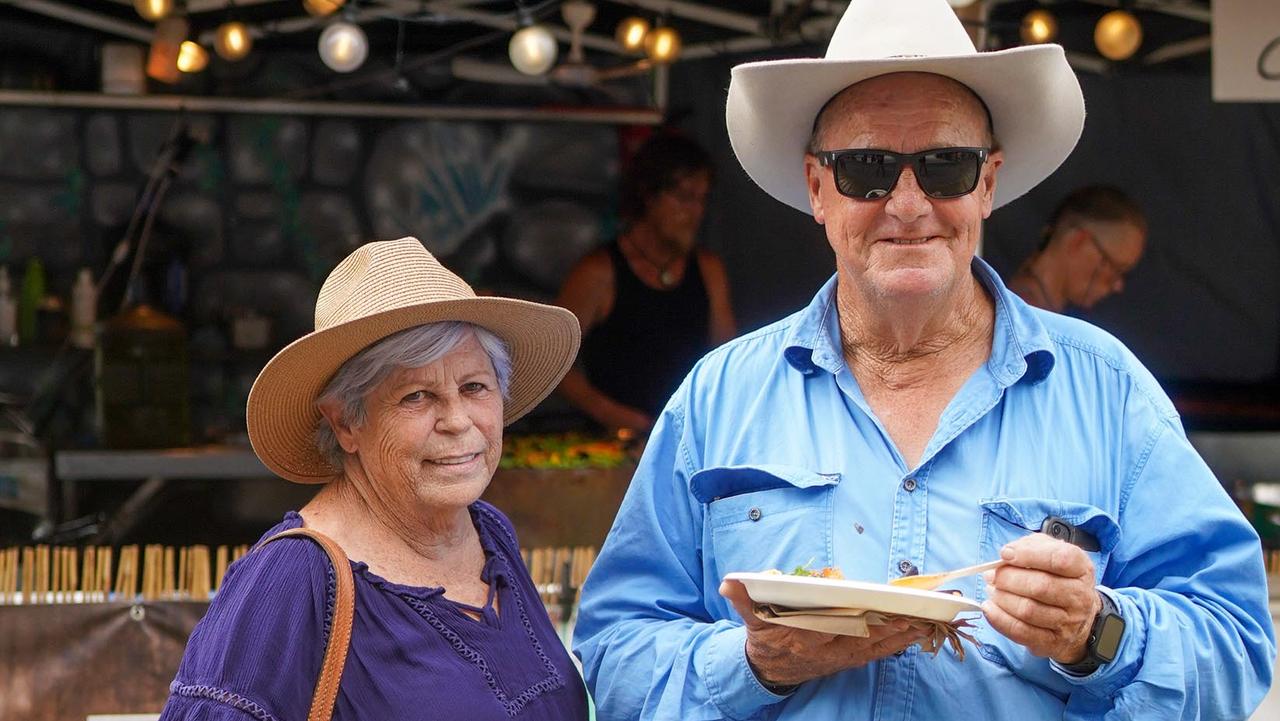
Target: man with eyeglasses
[1095,237]
[918,417]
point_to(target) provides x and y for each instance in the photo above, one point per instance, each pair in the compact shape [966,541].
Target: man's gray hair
[412,348]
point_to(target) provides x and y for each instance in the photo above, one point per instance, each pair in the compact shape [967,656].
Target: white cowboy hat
[383,288]
[1034,98]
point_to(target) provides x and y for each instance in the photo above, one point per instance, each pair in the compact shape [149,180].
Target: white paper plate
[809,592]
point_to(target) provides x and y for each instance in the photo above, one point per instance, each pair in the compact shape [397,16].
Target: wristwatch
[1104,639]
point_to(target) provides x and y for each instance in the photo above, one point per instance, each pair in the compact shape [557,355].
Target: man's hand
[784,656]
[1044,597]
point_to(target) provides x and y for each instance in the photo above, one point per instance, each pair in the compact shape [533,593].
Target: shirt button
[754,514]
[907,567]
[909,485]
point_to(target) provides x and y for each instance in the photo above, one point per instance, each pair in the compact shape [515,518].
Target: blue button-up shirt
[768,456]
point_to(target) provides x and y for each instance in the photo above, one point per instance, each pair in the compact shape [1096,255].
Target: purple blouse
[414,654]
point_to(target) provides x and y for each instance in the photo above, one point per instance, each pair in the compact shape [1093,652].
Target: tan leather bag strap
[335,654]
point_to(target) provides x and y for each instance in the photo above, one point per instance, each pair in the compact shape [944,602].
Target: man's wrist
[777,689]
[1103,641]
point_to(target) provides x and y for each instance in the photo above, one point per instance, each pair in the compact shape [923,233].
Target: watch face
[1109,637]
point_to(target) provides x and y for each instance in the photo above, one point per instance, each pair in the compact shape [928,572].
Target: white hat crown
[899,29]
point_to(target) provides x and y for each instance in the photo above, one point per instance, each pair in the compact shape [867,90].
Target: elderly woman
[396,403]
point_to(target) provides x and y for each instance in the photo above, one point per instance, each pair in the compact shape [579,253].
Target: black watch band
[1104,639]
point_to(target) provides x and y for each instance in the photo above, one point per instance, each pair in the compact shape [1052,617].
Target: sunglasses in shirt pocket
[1005,520]
[767,516]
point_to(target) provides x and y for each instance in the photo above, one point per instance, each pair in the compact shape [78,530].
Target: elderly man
[918,417]
[1095,237]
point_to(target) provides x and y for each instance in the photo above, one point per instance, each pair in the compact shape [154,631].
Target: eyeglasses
[1117,270]
[872,174]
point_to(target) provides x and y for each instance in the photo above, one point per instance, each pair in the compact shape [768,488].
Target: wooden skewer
[28,575]
[42,573]
[104,572]
[88,574]
[4,577]
[135,568]
[170,566]
[129,563]
[58,563]
[73,573]
[198,586]
[220,567]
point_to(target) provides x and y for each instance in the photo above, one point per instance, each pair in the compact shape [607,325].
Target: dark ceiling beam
[1178,8]
[705,14]
[1181,49]
[86,19]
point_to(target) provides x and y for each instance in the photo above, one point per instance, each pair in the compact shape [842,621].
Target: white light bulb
[1118,35]
[233,40]
[192,58]
[320,8]
[532,50]
[343,46]
[662,45]
[631,33]
[153,10]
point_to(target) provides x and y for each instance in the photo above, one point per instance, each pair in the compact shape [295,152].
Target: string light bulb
[532,50]
[321,8]
[960,3]
[1118,35]
[192,57]
[631,33]
[662,45]
[233,40]
[1039,26]
[153,10]
[343,46]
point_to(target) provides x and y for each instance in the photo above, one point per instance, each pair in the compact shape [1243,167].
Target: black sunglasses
[872,174]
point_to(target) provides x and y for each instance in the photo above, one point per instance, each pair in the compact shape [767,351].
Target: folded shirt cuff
[1110,677]
[731,684]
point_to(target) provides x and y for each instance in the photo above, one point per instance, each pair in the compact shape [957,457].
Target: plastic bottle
[8,310]
[84,307]
[29,304]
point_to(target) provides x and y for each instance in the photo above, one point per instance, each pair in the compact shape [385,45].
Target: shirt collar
[1020,346]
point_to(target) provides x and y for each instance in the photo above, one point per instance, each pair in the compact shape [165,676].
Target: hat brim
[1036,105]
[281,411]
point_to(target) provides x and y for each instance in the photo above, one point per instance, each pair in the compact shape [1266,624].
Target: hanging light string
[425,17]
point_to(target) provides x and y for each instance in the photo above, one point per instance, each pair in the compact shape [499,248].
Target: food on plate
[832,572]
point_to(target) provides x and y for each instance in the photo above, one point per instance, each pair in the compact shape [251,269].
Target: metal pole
[273,106]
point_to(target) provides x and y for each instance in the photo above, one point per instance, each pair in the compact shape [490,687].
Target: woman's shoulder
[497,523]
[272,612]
[283,569]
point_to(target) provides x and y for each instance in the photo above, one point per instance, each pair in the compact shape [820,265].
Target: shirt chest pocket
[1005,520]
[761,517]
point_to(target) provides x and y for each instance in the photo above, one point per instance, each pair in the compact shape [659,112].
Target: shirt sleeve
[257,652]
[649,647]
[1188,579]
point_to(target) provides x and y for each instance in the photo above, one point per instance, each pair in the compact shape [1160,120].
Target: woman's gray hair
[412,348]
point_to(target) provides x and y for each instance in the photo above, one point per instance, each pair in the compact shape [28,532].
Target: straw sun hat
[380,289]
[1036,105]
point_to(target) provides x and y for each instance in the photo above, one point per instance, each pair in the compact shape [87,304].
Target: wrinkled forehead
[905,97]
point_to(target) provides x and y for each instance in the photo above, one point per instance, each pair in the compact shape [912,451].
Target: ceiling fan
[574,72]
